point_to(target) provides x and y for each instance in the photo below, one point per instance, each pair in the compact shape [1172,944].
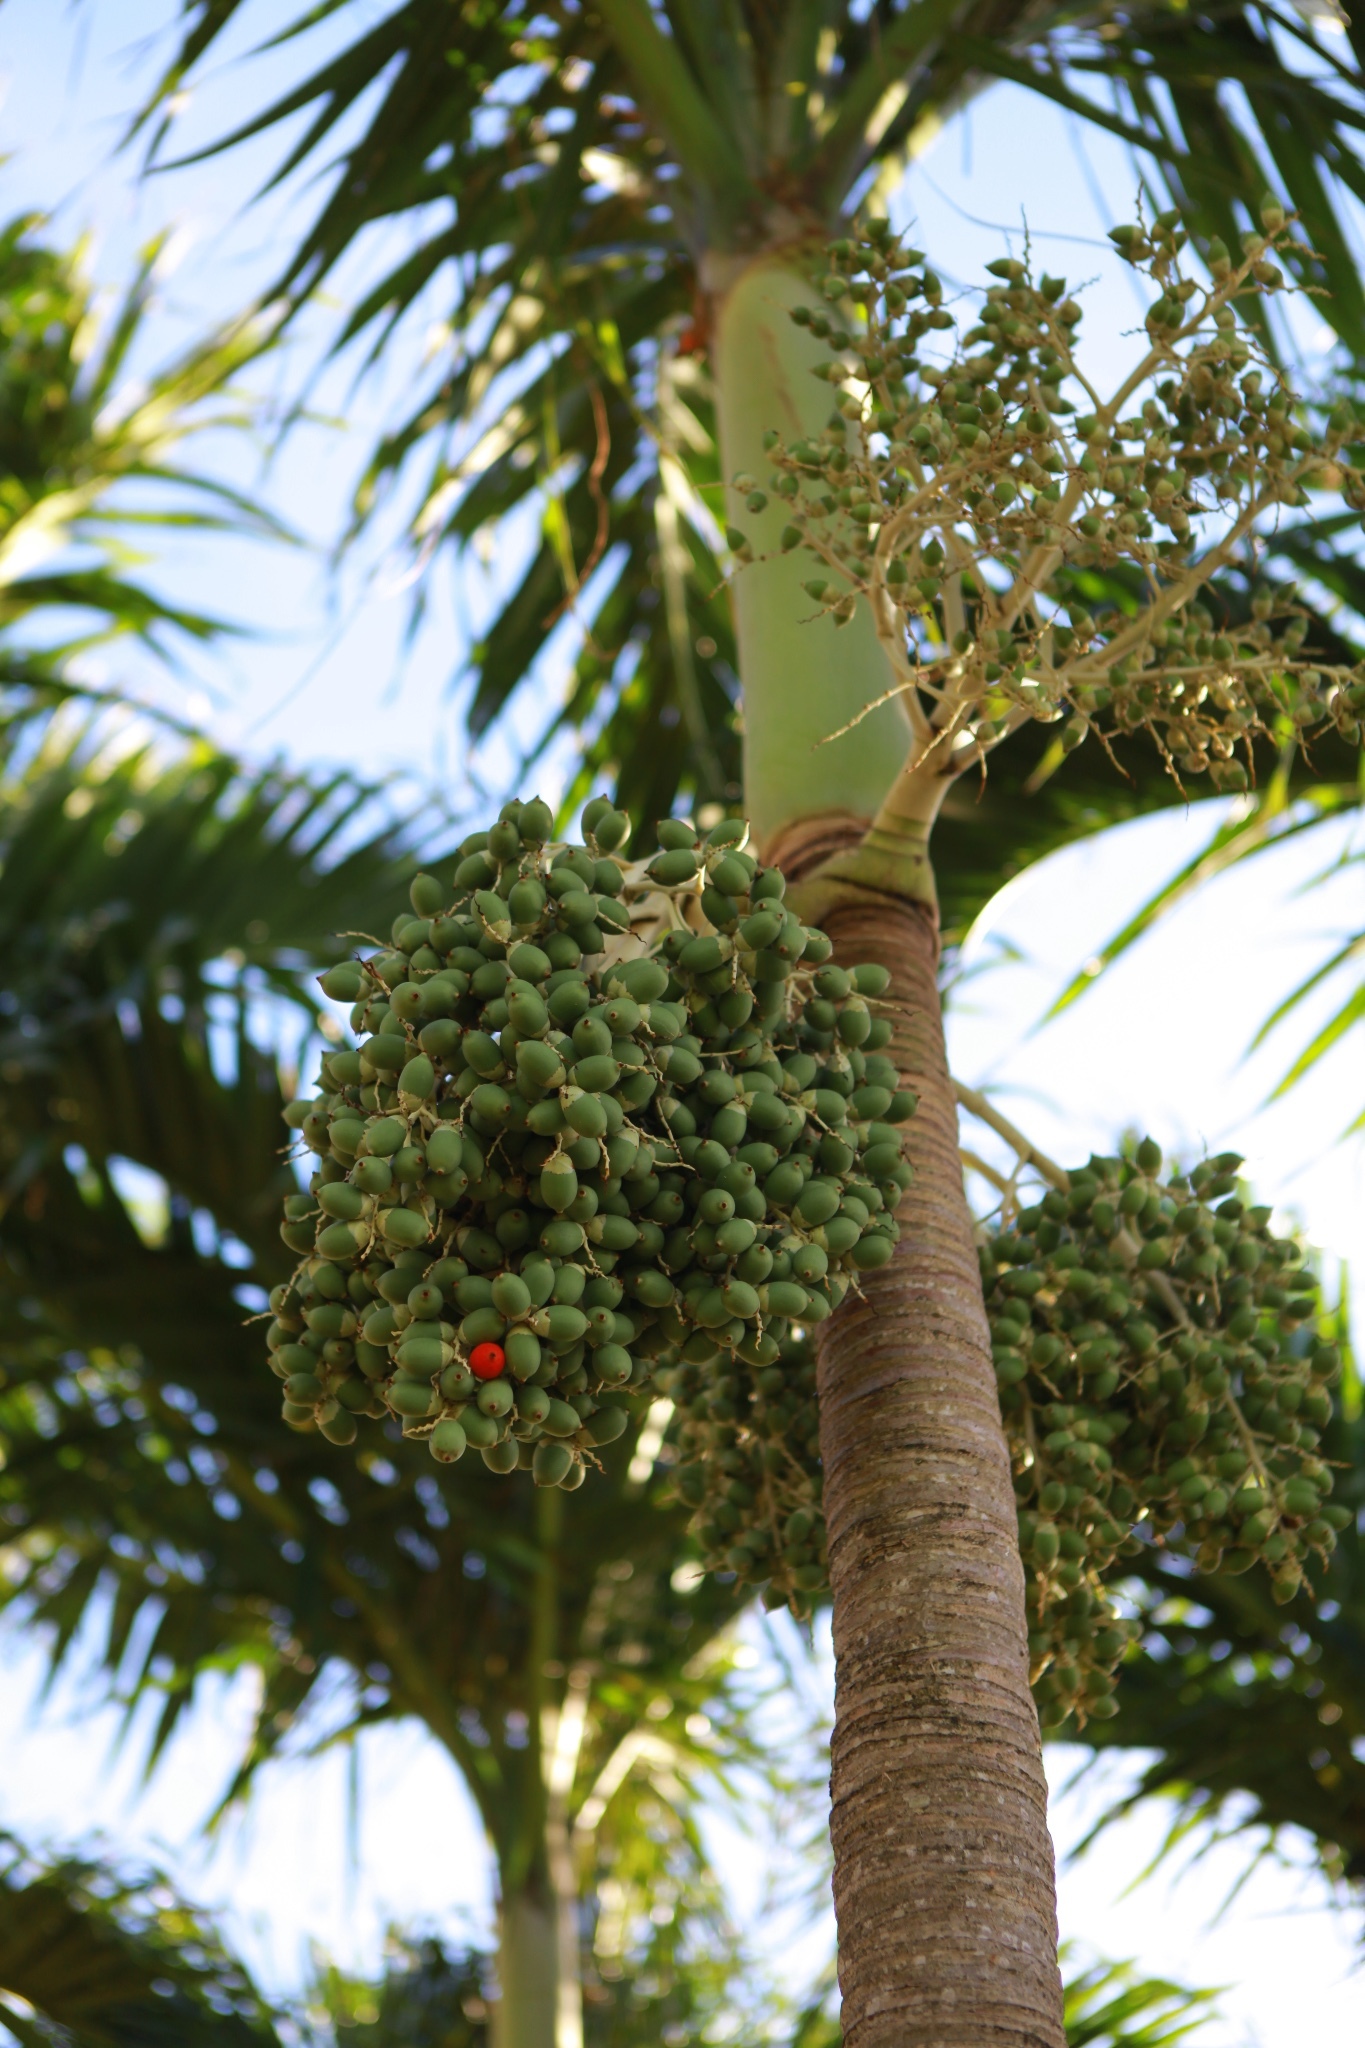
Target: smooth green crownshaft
[804,677]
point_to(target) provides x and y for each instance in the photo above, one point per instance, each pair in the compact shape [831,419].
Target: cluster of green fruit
[928,475]
[602,1115]
[749,1463]
[1160,1379]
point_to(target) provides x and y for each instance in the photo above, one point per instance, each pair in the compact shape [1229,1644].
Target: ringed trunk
[944,1883]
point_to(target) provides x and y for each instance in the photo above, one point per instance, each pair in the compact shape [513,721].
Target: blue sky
[1160,1043]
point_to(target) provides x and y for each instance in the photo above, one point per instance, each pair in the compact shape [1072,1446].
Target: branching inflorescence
[968,502]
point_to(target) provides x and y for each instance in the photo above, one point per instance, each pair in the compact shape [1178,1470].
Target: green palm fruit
[529,963]
[533,1404]
[817,1201]
[445,1150]
[510,1295]
[426,895]
[341,1201]
[551,1463]
[612,1364]
[480,1430]
[447,1441]
[526,901]
[490,1102]
[558,1185]
[418,1079]
[527,1012]
[372,1176]
[591,1034]
[483,1326]
[560,1419]
[501,1457]
[561,1238]
[606,1426]
[412,1399]
[403,1226]
[612,831]
[385,1136]
[405,1002]
[597,1073]
[344,982]
[523,1352]
[387,1052]
[585,1113]
[674,866]
[643,981]
[564,1325]
[340,1240]
[422,1355]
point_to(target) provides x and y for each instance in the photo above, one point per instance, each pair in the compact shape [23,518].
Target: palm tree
[718,148]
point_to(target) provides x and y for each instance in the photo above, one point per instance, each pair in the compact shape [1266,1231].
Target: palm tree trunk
[943,1870]
[538,1961]
[526,2015]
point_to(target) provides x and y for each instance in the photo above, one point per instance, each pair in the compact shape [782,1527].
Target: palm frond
[72,433]
[104,1957]
[1109,2005]
[152,896]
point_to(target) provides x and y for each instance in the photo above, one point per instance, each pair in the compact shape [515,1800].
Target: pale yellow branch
[1028,1153]
[978,1165]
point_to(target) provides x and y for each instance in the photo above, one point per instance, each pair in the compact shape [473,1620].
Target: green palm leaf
[150,901]
[1109,2005]
[103,1958]
[71,433]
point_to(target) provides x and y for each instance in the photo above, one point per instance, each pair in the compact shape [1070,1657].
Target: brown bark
[944,1884]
